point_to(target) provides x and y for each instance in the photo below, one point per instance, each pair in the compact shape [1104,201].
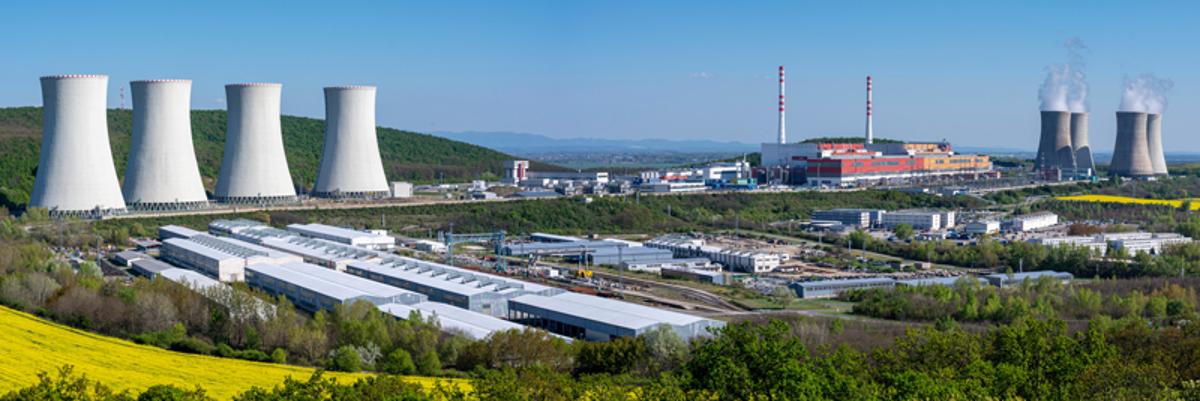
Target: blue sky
[964,71]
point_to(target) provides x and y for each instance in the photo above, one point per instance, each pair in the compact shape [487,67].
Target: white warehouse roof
[473,324]
[339,234]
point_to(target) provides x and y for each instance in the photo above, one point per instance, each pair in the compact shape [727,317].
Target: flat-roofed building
[222,258]
[173,231]
[917,219]
[150,267]
[1006,280]
[1096,244]
[982,227]
[831,288]
[599,319]
[946,281]
[1033,221]
[346,236]
[451,319]
[126,258]
[861,218]
[471,290]
[312,287]
[230,227]
[328,254]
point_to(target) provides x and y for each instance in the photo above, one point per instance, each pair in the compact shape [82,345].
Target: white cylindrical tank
[75,174]
[254,168]
[162,172]
[350,163]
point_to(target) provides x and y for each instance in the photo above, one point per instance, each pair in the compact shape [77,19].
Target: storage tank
[75,173]
[1154,142]
[1080,142]
[162,172]
[350,162]
[254,168]
[1131,152]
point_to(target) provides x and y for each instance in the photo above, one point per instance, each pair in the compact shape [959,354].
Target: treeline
[1031,359]
[1166,303]
[1157,218]
[406,155]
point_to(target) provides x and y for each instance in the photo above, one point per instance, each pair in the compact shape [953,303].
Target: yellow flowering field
[29,345]
[1125,199]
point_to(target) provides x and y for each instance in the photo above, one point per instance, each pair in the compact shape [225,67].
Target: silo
[1131,152]
[1080,142]
[162,172]
[350,163]
[254,169]
[75,174]
[1154,142]
[1056,129]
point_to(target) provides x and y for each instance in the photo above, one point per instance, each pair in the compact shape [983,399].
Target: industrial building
[672,186]
[918,219]
[1097,245]
[327,254]
[1032,221]
[471,290]
[350,162]
[173,231]
[831,288]
[735,260]
[75,174]
[313,288]
[860,218]
[254,169]
[982,227]
[222,258]
[161,173]
[946,281]
[1155,244]
[710,276]
[475,325]
[555,248]
[599,319]
[1007,280]
[620,255]
[370,240]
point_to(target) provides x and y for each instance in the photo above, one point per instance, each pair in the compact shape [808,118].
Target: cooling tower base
[363,195]
[258,200]
[87,214]
[167,206]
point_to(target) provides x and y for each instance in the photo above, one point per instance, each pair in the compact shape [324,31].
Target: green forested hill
[406,155]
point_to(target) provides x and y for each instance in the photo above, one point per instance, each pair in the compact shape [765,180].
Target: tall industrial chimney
[1080,142]
[162,172]
[254,168]
[1154,142]
[782,119]
[75,173]
[1131,152]
[1056,129]
[350,163]
[870,124]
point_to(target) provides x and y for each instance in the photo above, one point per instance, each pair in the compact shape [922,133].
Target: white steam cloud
[1146,94]
[1065,87]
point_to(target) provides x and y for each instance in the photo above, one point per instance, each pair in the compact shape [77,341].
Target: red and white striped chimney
[870,125]
[782,115]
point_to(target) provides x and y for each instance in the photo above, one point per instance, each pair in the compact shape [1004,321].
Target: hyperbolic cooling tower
[75,174]
[162,172]
[1131,153]
[254,168]
[350,163]
[1054,147]
[1154,142]
[1080,143]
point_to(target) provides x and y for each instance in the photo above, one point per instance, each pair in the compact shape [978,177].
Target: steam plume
[1145,94]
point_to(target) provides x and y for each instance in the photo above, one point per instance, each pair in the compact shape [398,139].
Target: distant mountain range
[524,143]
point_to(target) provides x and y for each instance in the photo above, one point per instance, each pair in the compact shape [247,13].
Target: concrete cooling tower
[254,169]
[162,172]
[1080,143]
[350,163]
[75,174]
[1054,147]
[1154,142]
[1131,153]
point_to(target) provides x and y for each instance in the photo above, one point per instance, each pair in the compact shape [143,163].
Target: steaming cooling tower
[1055,142]
[350,163]
[75,173]
[254,169]
[1154,142]
[1080,143]
[162,172]
[1131,153]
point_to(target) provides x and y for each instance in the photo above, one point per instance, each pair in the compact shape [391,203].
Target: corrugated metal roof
[189,278]
[347,280]
[655,314]
[473,324]
[586,312]
[848,282]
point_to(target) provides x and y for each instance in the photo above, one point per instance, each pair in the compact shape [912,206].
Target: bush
[399,362]
[345,359]
[192,345]
[171,393]
[279,355]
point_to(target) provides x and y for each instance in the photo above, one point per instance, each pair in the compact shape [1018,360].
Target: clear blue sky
[960,70]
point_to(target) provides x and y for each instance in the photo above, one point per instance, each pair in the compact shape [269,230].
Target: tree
[399,362]
[345,359]
[733,365]
[279,355]
[903,232]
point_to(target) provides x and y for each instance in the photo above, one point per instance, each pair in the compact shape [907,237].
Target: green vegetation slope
[406,155]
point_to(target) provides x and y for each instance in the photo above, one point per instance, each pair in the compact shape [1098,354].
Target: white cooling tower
[350,163]
[1080,142]
[1154,142]
[254,168]
[162,172]
[1131,153]
[75,174]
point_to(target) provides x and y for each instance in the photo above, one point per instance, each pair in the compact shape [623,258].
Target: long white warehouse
[451,319]
[223,258]
[599,319]
[350,162]
[478,292]
[162,173]
[314,288]
[254,168]
[346,236]
[75,174]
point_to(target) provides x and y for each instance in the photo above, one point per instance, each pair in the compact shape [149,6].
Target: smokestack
[870,125]
[1056,129]
[1154,143]
[254,168]
[782,117]
[162,172]
[1131,153]
[1080,142]
[350,163]
[75,173]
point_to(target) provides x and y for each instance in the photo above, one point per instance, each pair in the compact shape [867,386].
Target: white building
[920,220]
[427,245]
[1095,244]
[672,186]
[1034,221]
[401,189]
[982,227]
[222,258]
[735,260]
[345,236]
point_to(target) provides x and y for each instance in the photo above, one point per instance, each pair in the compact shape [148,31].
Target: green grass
[407,156]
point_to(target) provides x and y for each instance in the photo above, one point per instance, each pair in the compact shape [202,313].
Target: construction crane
[495,238]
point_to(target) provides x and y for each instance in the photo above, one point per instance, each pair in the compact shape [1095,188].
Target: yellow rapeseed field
[29,345]
[1125,199]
